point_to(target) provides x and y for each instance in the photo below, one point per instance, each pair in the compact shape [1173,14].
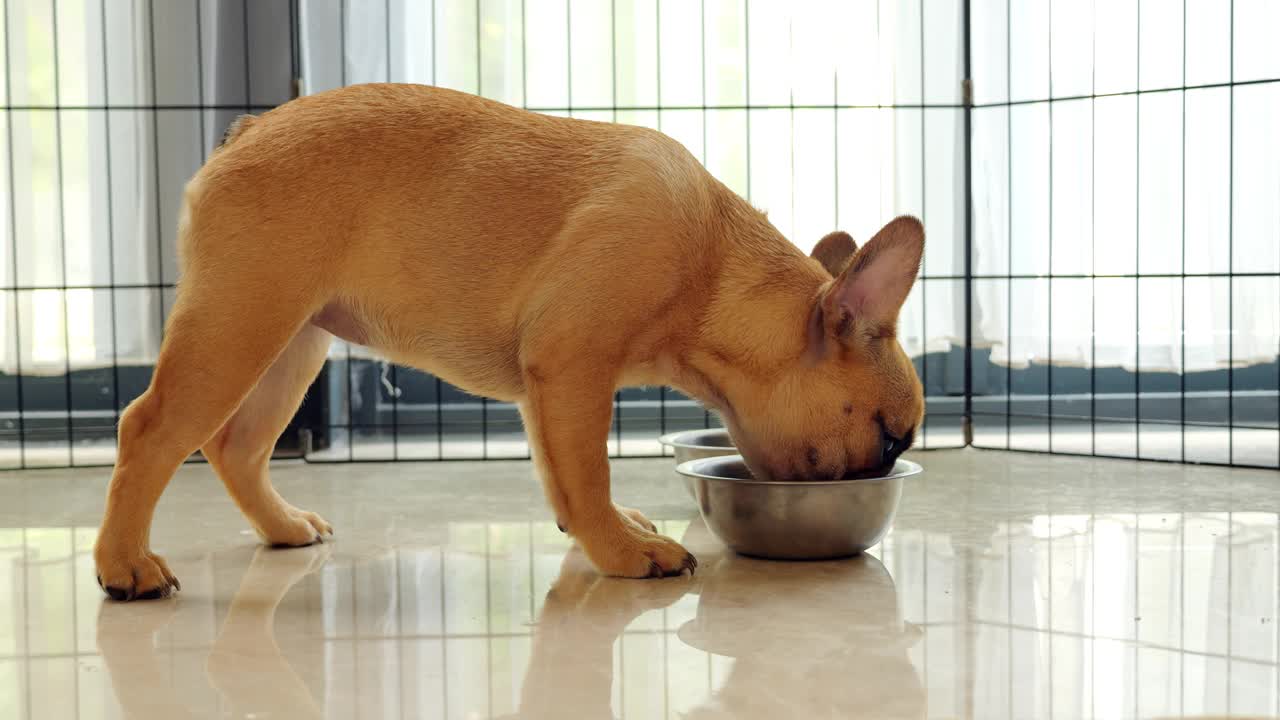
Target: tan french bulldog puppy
[540,260]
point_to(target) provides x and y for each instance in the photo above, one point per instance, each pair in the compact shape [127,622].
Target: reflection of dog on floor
[570,672]
[245,664]
[823,639]
[808,640]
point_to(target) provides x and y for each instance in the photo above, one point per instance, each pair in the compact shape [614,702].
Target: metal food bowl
[697,444]
[816,520]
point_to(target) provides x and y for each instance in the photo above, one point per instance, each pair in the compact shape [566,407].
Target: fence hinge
[966,92]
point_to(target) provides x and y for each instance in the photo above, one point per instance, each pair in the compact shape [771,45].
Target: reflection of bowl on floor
[794,520]
[822,639]
[698,444]
[750,607]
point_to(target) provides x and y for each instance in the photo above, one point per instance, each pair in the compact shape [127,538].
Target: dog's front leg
[567,418]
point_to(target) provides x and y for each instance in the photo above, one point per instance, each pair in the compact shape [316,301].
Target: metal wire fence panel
[1102,274]
[1126,284]
[765,94]
[109,107]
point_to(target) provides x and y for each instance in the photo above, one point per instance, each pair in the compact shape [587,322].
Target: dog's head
[851,402]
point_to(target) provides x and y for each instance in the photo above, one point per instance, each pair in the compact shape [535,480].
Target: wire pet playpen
[1100,183]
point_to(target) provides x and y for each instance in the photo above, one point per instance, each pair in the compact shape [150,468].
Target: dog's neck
[756,317]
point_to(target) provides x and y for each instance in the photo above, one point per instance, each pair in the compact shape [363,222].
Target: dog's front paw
[136,575]
[621,547]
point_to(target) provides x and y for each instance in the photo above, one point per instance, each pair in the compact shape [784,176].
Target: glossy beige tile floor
[1013,586]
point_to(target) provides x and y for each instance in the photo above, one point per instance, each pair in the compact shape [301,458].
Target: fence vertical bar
[966,419]
[394,391]
[1137,241]
[62,236]
[1231,260]
[111,226]
[1049,344]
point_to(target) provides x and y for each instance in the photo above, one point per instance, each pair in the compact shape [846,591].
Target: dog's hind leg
[229,324]
[240,451]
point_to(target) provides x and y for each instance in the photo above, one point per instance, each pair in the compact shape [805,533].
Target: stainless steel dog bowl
[696,444]
[794,520]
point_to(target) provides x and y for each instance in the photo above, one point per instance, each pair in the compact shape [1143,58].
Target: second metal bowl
[697,444]
[794,520]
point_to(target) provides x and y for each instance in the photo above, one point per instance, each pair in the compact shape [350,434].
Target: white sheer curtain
[751,88]
[1121,195]
[57,225]
[1137,188]
[826,114]
[92,172]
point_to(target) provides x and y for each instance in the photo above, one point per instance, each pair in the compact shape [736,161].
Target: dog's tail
[236,128]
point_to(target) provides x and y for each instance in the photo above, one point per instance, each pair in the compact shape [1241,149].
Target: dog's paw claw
[690,563]
[119,594]
[655,570]
[155,593]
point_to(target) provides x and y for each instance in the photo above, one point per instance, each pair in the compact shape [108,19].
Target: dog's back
[427,213]
[475,170]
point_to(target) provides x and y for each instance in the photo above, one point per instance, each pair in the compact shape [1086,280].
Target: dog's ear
[870,292]
[834,250]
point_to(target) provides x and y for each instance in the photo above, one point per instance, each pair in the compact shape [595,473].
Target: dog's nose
[891,447]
